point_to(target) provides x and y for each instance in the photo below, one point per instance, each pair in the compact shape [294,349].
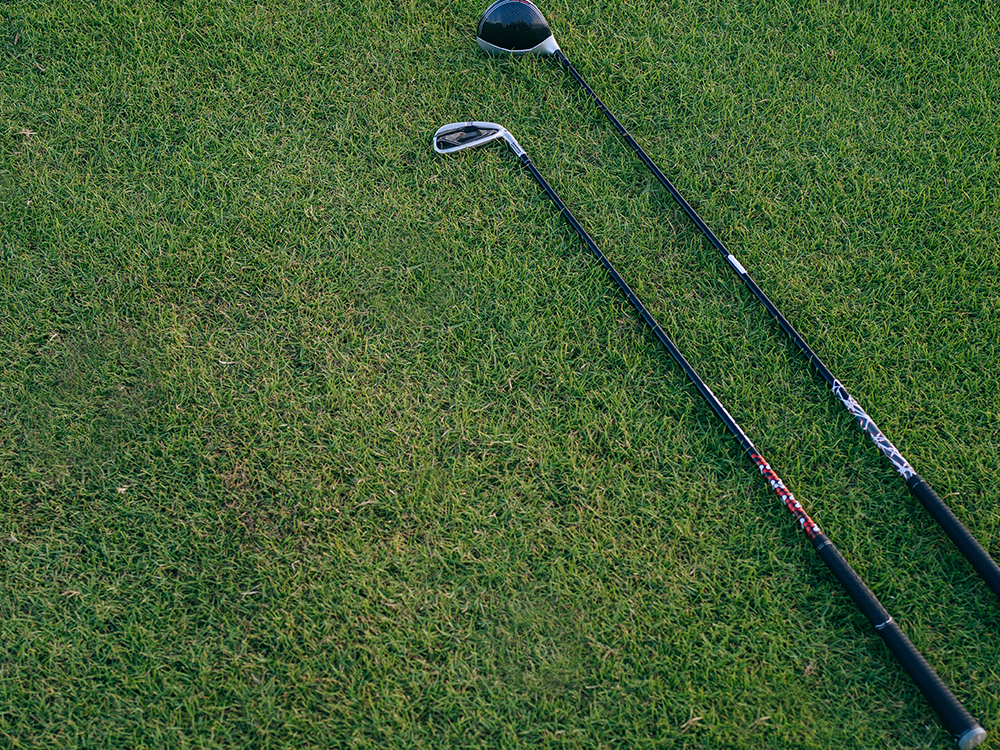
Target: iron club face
[462,135]
[515,27]
[458,136]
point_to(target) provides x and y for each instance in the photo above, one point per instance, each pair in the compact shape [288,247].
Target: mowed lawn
[312,438]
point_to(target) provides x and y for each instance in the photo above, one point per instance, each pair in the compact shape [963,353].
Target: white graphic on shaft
[868,425]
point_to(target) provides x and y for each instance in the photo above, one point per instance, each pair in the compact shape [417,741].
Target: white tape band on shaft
[736,264]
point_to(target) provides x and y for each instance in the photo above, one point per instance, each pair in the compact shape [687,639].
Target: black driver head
[515,27]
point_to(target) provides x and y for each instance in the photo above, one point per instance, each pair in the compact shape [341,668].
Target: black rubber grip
[956,531]
[955,718]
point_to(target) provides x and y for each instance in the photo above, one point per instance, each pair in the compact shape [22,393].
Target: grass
[313,438]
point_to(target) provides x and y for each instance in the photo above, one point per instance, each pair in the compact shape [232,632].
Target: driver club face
[515,27]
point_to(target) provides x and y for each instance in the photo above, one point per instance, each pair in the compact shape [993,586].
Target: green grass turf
[312,438]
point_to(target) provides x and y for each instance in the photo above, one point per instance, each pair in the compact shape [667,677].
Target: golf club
[459,136]
[517,27]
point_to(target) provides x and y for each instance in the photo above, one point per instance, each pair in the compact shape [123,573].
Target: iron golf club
[459,136]
[517,27]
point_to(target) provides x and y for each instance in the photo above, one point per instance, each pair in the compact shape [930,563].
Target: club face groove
[458,136]
[515,27]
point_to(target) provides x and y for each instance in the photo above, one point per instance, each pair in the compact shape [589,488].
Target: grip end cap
[971,737]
